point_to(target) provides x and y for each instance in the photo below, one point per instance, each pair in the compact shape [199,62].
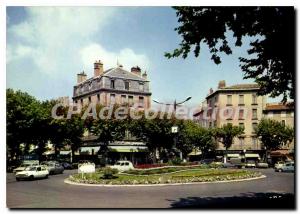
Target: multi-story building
[113,86]
[239,105]
[283,113]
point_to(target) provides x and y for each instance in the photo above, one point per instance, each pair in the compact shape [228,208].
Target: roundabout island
[171,175]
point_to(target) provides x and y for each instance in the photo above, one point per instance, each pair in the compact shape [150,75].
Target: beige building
[239,105]
[283,113]
[113,86]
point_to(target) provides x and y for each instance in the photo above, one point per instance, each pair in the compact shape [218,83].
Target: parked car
[123,166]
[53,167]
[67,165]
[279,165]
[24,165]
[237,162]
[287,167]
[228,165]
[262,165]
[206,161]
[250,164]
[32,172]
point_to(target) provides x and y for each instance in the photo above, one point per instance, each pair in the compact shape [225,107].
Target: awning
[64,152]
[252,156]
[233,155]
[279,153]
[195,152]
[89,150]
[128,148]
[49,153]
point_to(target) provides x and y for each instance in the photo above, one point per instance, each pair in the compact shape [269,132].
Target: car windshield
[30,168]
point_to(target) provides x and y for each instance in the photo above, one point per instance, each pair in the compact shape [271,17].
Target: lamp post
[175,128]
[175,104]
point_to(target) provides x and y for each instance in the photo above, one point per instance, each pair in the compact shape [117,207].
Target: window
[241,99]
[98,97]
[241,114]
[130,100]
[126,164]
[112,84]
[81,100]
[123,99]
[254,99]
[141,101]
[241,139]
[254,114]
[90,99]
[283,122]
[254,146]
[141,87]
[229,99]
[254,127]
[242,125]
[76,101]
[112,99]
[126,85]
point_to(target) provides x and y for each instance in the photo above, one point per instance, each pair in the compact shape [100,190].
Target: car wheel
[17,179]
[46,176]
[31,177]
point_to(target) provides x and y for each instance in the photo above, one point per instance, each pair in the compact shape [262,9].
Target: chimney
[136,70]
[145,75]
[81,77]
[222,84]
[98,68]
[211,91]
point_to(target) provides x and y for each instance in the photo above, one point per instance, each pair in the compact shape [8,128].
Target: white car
[32,172]
[23,166]
[123,166]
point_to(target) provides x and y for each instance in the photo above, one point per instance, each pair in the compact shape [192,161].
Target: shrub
[176,161]
[108,173]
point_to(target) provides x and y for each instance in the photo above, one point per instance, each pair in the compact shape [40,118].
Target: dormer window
[112,84]
[141,86]
[126,85]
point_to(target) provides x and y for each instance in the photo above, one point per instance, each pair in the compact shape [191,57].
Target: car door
[38,172]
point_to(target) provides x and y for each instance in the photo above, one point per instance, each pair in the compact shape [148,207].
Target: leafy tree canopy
[271,57]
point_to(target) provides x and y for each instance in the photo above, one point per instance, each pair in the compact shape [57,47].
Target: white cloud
[50,33]
[127,57]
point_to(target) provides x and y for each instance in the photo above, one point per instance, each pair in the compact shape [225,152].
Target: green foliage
[271,56]
[227,133]
[195,136]
[274,134]
[175,161]
[108,173]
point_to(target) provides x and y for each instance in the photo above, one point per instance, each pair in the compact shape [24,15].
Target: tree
[226,134]
[108,130]
[155,132]
[194,136]
[274,134]
[272,53]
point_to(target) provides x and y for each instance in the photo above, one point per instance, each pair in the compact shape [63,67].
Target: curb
[67,181]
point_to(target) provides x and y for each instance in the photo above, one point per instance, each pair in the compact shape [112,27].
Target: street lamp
[175,104]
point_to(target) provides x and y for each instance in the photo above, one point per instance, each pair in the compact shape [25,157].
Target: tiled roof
[242,86]
[121,73]
[279,106]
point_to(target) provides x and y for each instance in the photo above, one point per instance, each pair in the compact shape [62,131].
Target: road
[274,191]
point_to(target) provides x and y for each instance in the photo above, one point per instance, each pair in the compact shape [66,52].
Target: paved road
[275,191]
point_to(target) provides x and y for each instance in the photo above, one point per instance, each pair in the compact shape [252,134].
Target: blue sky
[48,46]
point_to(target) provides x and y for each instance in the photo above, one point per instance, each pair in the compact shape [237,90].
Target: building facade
[239,105]
[113,86]
[283,113]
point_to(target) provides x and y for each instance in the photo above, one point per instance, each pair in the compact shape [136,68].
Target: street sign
[174,129]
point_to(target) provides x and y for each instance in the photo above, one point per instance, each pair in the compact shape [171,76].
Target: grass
[191,175]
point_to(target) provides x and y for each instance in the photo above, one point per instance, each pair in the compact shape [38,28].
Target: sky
[47,47]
